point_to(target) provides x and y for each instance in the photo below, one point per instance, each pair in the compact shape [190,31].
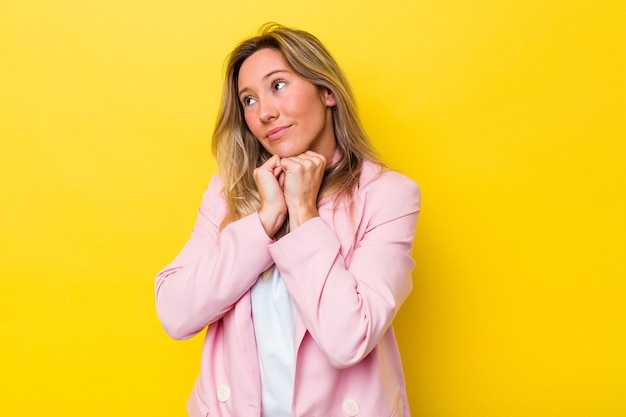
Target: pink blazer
[347,273]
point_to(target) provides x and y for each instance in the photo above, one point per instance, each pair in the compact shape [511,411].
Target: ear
[328,97]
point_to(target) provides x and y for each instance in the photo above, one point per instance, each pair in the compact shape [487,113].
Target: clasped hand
[289,187]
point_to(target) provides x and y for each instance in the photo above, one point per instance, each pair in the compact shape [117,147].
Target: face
[284,111]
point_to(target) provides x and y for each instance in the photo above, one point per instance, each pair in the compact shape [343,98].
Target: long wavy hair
[238,152]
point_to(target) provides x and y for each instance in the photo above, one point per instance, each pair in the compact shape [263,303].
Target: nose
[268,110]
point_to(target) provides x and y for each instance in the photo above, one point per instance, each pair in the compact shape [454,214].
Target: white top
[274,318]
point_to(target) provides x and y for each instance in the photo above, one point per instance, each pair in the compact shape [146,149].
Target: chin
[286,153]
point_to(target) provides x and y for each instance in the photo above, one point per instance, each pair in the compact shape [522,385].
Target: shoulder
[215,189]
[214,199]
[386,185]
[216,182]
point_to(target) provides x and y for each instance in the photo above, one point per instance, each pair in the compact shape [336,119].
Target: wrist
[271,222]
[301,216]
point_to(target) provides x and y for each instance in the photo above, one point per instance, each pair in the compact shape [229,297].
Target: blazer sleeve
[347,308]
[213,270]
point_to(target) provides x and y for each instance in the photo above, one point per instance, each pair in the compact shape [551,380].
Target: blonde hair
[238,152]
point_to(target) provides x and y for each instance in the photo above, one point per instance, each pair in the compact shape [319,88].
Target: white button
[350,407]
[223,393]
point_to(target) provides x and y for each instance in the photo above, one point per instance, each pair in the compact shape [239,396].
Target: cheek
[250,122]
[306,105]
[294,105]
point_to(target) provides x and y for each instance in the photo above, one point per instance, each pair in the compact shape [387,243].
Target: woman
[301,253]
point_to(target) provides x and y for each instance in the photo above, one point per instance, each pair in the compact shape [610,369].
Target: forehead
[260,64]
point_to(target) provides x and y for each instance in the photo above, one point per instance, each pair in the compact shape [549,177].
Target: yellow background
[510,115]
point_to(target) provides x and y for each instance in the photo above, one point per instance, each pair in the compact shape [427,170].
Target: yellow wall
[511,116]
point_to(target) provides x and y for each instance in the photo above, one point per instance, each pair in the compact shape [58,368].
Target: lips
[277,132]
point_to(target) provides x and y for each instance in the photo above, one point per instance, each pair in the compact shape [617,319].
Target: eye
[278,85]
[247,101]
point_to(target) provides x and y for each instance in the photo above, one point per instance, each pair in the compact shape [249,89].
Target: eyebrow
[266,76]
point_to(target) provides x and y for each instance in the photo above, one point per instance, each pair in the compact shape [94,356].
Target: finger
[281,179]
[270,164]
[302,162]
[314,156]
[277,171]
[312,153]
[267,173]
[318,158]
